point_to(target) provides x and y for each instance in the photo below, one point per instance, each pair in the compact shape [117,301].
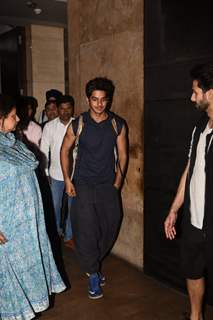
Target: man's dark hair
[65,99]
[53,93]
[6,105]
[203,73]
[102,84]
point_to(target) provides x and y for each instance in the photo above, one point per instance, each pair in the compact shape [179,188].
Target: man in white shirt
[51,141]
[52,96]
[195,191]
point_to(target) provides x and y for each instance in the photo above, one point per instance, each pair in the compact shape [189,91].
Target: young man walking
[97,178]
[195,191]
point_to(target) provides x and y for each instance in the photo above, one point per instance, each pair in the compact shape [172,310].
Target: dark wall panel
[12,62]
[177,36]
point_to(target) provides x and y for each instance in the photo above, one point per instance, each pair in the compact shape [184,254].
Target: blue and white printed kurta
[28,274]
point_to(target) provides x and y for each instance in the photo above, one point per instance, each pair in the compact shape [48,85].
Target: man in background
[51,141]
[51,96]
[51,112]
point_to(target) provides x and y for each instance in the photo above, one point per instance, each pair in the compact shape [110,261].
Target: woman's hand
[3,240]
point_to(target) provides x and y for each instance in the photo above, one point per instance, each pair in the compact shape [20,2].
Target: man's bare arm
[68,142]
[169,224]
[122,157]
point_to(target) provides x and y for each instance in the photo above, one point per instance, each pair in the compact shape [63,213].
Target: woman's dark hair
[203,73]
[33,102]
[7,104]
[23,104]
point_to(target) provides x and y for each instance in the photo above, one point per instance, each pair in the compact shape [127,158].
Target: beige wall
[45,60]
[106,39]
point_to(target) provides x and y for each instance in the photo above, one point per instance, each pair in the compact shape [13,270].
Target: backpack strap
[117,162]
[114,125]
[75,150]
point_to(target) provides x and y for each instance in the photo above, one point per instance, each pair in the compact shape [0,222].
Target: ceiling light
[37,10]
[33,5]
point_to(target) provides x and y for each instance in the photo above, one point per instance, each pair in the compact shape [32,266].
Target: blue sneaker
[102,279]
[94,289]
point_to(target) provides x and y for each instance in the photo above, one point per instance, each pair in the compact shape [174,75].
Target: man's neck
[64,122]
[98,117]
[210,123]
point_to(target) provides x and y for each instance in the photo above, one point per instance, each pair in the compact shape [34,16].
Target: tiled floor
[128,294]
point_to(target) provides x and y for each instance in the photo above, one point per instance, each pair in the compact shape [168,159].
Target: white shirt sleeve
[33,133]
[45,146]
[191,143]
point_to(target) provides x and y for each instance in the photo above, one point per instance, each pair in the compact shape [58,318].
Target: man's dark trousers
[96,219]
